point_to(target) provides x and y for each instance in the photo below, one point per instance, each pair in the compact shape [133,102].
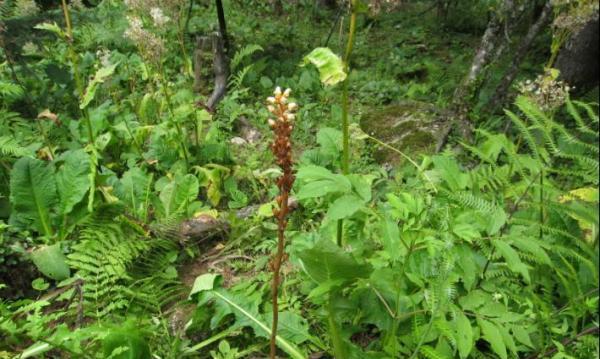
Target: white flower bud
[277,91]
[287,92]
[271,122]
[293,106]
[271,109]
[291,117]
[271,99]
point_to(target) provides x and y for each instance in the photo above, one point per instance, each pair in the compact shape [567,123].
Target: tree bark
[502,90]
[222,25]
[465,93]
[221,68]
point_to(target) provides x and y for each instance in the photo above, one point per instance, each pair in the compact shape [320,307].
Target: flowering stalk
[282,127]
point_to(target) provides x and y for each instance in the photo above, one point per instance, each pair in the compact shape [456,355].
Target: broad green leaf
[344,207]
[292,327]
[330,66]
[134,189]
[318,181]
[101,75]
[51,261]
[178,194]
[512,259]
[492,335]
[328,262]
[129,339]
[204,282]
[72,179]
[330,140]
[463,334]
[281,342]
[33,193]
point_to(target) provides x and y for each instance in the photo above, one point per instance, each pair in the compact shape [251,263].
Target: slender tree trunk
[466,92]
[510,75]
[222,25]
[221,68]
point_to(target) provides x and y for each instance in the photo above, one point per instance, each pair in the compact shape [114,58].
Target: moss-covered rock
[409,126]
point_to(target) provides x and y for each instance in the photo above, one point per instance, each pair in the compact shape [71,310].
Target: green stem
[180,132]
[345,110]
[339,350]
[76,74]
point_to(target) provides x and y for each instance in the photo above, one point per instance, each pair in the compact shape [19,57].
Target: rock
[412,127]
[578,60]
[238,141]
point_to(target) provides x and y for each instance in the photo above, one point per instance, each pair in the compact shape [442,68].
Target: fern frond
[244,52]
[10,147]
[430,353]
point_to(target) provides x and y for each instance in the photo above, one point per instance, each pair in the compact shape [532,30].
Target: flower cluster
[145,7]
[158,17]
[151,46]
[576,15]
[282,126]
[546,90]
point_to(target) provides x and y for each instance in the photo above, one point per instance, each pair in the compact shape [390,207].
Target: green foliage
[487,250]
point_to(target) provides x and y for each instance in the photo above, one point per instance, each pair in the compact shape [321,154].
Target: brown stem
[282,149]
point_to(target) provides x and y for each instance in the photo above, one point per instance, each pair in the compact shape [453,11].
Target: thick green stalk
[345,109]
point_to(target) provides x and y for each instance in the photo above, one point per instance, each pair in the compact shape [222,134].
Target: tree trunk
[503,88]
[466,92]
[221,68]
[222,25]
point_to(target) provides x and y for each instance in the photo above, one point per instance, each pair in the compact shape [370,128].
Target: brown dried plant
[282,127]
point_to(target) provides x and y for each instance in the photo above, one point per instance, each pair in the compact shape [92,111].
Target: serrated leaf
[330,66]
[51,27]
[492,335]
[463,335]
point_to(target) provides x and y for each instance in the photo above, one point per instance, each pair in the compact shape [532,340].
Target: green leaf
[40,284]
[330,66]
[134,189]
[204,282]
[522,335]
[178,194]
[51,27]
[101,75]
[330,140]
[72,179]
[318,181]
[512,259]
[328,262]
[281,342]
[129,339]
[463,334]
[492,335]
[450,172]
[390,236]
[33,193]
[344,207]
[292,327]
[51,261]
